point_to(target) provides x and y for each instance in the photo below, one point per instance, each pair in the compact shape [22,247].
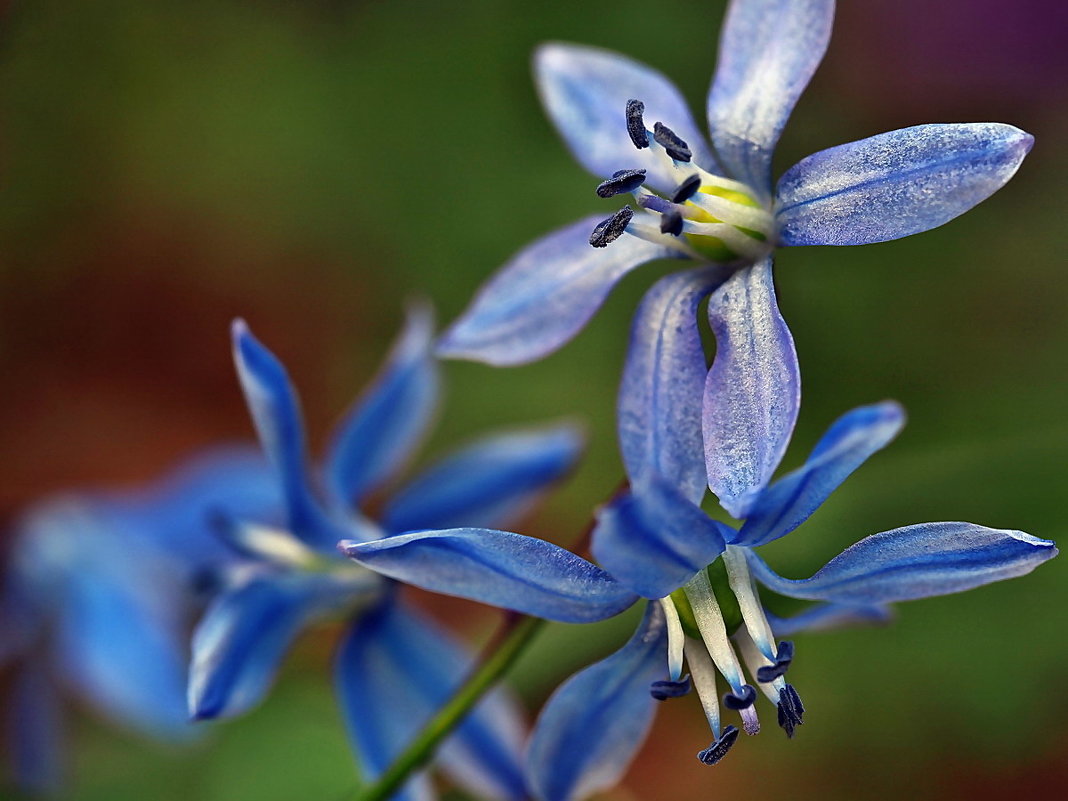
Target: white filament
[675,637]
[703,673]
[744,590]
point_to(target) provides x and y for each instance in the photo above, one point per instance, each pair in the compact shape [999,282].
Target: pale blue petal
[592,726]
[497,568]
[768,51]
[34,732]
[244,634]
[487,484]
[897,183]
[659,407]
[388,421]
[915,562]
[753,391]
[789,502]
[585,92]
[276,413]
[395,669]
[821,617]
[544,296]
[653,540]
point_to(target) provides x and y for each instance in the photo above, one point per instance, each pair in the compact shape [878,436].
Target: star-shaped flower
[715,201]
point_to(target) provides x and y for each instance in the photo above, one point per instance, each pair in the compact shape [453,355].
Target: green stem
[501,655]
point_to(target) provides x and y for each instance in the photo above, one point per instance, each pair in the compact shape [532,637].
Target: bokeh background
[168,165]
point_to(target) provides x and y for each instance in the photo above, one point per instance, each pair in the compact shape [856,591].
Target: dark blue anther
[663,690]
[671,223]
[783,658]
[715,752]
[740,702]
[608,231]
[636,124]
[791,710]
[687,189]
[621,182]
[671,142]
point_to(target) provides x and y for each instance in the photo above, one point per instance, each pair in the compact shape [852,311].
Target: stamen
[713,630]
[733,212]
[743,246]
[740,701]
[783,658]
[755,660]
[748,601]
[663,690]
[715,752]
[687,189]
[674,144]
[608,231]
[791,710]
[636,125]
[704,680]
[676,637]
[621,182]
[671,223]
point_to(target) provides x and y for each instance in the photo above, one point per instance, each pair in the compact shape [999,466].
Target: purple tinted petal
[659,407]
[753,390]
[789,502]
[386,423]
[821,617]
[585,92]
[768,51]
[897,183]
[488,483]
[653,540]
[591,727]
[915,562]
[497,568]
[394,670]
[544,296]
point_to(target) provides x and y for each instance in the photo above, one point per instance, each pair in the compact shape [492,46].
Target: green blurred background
[168,165]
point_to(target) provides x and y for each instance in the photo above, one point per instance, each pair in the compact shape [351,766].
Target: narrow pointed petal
[753,391]
[659,407]
[789,502]
[544,296]
[824,616]
[34,732]
[377,436]
[244,634]
[489,483]
[591,727]
[915,562]
[897,183]
[653,540]
[768,51]
[497,568]
[394,670]
[585,92]
[276,413]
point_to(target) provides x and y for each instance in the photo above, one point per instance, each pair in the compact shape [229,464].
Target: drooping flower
[655,539]
[715,202]
[395,667]
[99,596]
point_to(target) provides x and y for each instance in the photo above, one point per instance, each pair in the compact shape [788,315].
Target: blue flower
[715,202]
[395,668]
[98,599]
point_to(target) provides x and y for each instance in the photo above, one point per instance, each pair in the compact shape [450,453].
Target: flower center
[706,217]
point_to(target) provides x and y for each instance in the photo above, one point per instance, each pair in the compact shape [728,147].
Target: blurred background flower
[166,166]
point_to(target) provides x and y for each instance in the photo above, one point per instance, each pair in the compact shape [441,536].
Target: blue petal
[659,407]
[239,643]
[544,296]
[395,669]
[653,540]
[753,390]
[276,413]
[915,562]
[591,727]
[497,568]
[388,421]
[820,617]
[789,502]
[897,183]
[34,736]
[489,483]
[585,92]
[768,51]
